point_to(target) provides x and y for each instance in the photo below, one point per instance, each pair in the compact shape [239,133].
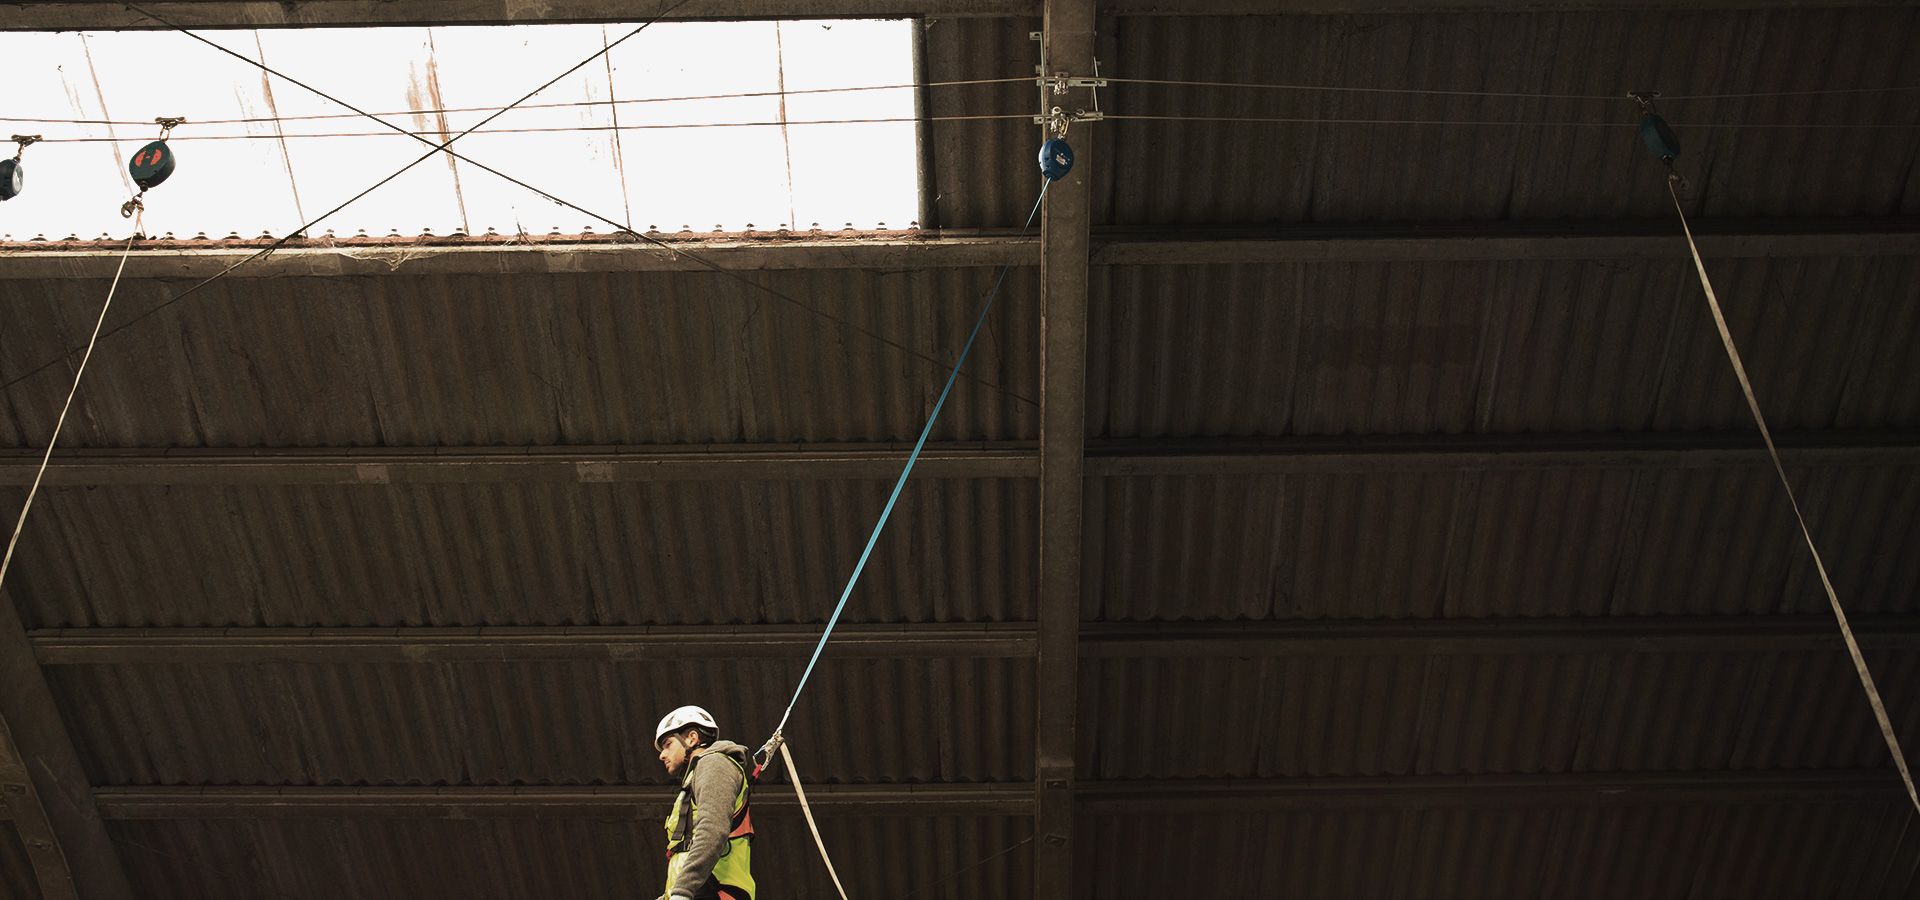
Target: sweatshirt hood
[740,754]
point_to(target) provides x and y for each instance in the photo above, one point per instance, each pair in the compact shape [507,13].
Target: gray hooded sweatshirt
[714,785]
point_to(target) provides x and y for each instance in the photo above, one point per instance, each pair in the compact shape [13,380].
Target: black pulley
[151,165]
[13,178]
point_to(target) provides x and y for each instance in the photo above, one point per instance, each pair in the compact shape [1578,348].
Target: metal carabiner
[764,755]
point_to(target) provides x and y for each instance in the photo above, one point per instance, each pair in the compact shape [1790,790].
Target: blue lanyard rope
[912,458]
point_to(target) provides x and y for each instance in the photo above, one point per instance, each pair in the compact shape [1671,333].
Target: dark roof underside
[1448,575]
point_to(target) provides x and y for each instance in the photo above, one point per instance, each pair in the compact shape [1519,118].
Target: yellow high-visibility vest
[734,868]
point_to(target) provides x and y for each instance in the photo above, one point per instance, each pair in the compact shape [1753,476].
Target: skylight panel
[619,137]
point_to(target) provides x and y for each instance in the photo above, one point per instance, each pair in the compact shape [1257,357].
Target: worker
[709,831]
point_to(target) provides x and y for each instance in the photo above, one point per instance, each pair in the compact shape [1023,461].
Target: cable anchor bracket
[1061,82]
[1058,120]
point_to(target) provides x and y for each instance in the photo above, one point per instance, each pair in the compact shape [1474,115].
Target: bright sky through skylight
[700,178]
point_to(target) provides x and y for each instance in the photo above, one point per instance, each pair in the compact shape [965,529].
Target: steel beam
[1282,795]
[607,643]
[46,789]
[623,801]
[1013,459]
[1390,242]
[1066,40]
[96,15]
[1490,637]
[80,14]
[1154,797]
[1456,242]
[1473,453]
[202,259]
[547,465]
[1345,7]
[1107,640]
[21,801]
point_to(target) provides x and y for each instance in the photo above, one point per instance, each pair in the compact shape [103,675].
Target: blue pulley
[1056,159]
[1659,138]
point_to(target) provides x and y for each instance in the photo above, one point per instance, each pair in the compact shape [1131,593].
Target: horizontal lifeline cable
[550,129]
[559,104]
[1151,82]
[1002,117]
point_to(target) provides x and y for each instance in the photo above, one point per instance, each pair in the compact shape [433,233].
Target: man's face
[673,753]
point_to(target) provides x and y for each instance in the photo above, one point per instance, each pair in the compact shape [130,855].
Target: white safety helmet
[682,719]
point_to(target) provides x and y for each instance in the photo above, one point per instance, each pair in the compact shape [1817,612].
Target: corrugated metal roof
[980,173]
[1365,173]
[471,360]
[560,723]
[1439,850]
[1732,849]
[611,858]
[1176,351]
[1508,346]
[1356,714]
[1751,849]
[1266,546]
[709,552]
[1305,854]
[1212,173]
[1227,173]
[657,358]
[1539,542]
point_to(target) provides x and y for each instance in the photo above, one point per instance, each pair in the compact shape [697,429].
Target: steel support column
[1067,47]
[45,788]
